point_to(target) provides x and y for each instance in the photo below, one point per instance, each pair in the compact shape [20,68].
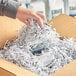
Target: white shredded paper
[40,50]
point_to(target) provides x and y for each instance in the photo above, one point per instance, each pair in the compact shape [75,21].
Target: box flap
[10,69]
[65,25]
[67,70]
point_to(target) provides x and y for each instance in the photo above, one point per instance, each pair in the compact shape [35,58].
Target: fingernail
[42,27]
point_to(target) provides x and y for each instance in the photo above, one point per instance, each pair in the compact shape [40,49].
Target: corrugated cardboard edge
[67,70]
[18,71]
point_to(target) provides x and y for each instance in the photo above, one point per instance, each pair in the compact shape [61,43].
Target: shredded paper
[40,50]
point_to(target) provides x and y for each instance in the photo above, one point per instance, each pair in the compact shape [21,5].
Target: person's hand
[24,14]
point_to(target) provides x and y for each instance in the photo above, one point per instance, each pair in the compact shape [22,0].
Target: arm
[12,9]
[8,8]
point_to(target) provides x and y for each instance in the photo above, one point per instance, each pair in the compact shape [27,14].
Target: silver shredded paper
[40,50]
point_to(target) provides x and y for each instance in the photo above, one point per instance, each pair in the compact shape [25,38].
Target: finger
[24,20]
[38,19]
[27,23]
[42,16]
[40,22]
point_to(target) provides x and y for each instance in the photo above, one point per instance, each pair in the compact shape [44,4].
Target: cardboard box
[67,70]
[65,25]
[10,69]
[9,29]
